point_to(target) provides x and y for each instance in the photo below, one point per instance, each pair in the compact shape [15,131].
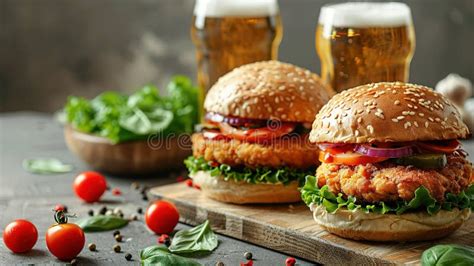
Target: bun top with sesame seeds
[268,90]
[388,112]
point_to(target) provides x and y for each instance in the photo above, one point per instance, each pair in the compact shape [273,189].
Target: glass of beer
[231,33]
[363,42]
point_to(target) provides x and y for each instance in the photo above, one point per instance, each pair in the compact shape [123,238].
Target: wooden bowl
[134,157]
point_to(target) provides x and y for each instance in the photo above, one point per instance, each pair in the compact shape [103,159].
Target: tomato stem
[61,217]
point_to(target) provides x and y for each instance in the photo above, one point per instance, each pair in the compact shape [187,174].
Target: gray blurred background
[50,49]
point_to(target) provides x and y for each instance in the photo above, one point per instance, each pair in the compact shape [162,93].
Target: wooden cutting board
[289,228]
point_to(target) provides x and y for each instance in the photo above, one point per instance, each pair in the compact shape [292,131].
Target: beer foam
[235,8]
[365,14]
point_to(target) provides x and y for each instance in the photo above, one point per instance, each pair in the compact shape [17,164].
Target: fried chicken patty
[294,152]
[389,182]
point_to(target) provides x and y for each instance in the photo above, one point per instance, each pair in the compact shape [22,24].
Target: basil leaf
[161,256]
[312,194]
[100,223]
[46,166]
[283,175]
[195,240]
[447,255]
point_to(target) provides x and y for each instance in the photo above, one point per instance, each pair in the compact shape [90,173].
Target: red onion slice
[384,152]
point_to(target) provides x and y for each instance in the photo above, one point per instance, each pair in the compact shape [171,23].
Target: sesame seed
[415,123]
[397,102]
[394,120]
[421,114]
[401,117]
[359,120]
[426,124]
[370,128]
[407,125]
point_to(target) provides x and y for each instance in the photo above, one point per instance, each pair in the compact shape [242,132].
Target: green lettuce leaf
[312,194]
[283,175]
[144,113]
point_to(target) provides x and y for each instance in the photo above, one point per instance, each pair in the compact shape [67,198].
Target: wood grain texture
[290,229]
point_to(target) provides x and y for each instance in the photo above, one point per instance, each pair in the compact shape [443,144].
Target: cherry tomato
[64,240]
[448,146]
[162,217]
[89,186]
[348,158]
[20,236]
[257,134]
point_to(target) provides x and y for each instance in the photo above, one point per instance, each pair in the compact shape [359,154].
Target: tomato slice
[348,158]
[256,134]
[448,146]
[213,135]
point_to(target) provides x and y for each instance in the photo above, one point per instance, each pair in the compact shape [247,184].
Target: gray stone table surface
[23,195]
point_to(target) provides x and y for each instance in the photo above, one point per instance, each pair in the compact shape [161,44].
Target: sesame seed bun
[414,226]
[388,112]
[268,90]
[215,187]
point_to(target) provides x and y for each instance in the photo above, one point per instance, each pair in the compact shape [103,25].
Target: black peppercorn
[103,210]
[92,247]
[168,242]
[128,256]
[116,232]
[117,248]
[140,210]
[248,255]
[145,198]
[118,238]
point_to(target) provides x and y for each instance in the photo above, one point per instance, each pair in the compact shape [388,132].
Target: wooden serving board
[289,228]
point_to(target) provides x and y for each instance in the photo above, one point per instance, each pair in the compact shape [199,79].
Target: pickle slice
[424,161]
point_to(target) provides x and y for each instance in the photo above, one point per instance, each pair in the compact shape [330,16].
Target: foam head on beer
[240,8]
[365,15]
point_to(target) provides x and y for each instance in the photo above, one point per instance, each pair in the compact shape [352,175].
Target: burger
[392,168]
[253,146]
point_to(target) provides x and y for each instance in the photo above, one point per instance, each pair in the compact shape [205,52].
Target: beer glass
[231,33]
[360,43]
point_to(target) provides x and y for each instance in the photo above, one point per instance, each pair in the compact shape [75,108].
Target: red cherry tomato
[20,236]
[162,217]
[64,240]
[89,186]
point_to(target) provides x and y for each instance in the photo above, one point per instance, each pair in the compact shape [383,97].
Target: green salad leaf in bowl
[123,118]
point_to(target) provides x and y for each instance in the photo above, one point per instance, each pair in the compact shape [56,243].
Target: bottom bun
[414,226]
[217,188]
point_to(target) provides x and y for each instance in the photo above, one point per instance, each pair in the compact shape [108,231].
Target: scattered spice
[103,210]
[162,239]
[248,255]
[140,210]
[290,261]
[117,248]
[128,256]
[144,190]
[92,247]
[135,185]
[118,238]
[248,263]
[91,212]
[189,182]
[116,232]
[145,198]
[134,217]
[116,192]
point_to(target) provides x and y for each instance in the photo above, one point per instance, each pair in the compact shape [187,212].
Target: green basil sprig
[200,239]
[161,256]
[46,166]
[100,223]
[283,175]
[311,193]
[447,255]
